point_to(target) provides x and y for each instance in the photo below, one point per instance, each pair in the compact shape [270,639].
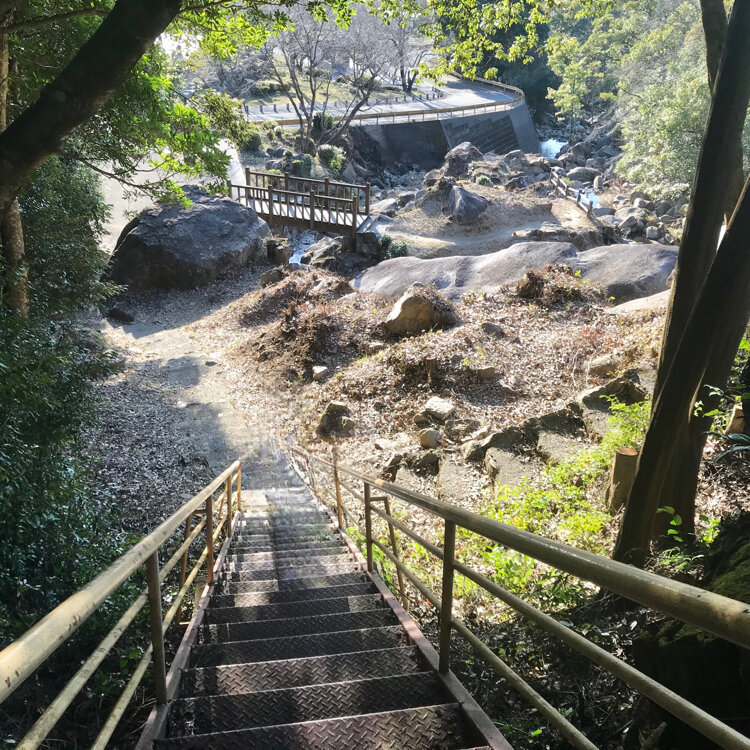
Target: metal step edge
[292,626]
[315,644]
[344,733]
[252,548]
[287,572]
[288,673]
[258,612]
[241,587]
[338,549]
[220,601]
[284,561]
[204,714]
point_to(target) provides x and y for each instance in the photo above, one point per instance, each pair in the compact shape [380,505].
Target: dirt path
[170,423]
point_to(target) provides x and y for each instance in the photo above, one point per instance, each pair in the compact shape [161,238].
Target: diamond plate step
[290,554]
[289,571]
[241,587]
[296,647]
[428,728]
[300,529]
[222,713]
[289,673]
[247,631]
[288,563]
[260,598]
[214,616]
[293,547]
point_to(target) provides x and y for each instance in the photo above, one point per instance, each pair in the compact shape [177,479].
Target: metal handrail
[21,658]
[724,617]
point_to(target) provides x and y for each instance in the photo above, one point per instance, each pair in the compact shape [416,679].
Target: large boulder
[324,253]
[464,206]
[583,174]
[457,274]
[419,309]
[174,247]
[628,271]
[457,160]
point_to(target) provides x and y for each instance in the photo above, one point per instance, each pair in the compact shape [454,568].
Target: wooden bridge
[295,641]
[286,200]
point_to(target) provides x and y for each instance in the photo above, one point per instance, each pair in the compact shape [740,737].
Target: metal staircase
[298,647]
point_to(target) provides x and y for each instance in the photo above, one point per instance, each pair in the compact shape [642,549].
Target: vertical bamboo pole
[157,636]
[446,607]
[337,484]
[209,540]
[368,527]
[394,547]
[228,491]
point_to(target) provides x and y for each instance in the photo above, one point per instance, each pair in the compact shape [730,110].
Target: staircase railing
[22,657]
[724,617]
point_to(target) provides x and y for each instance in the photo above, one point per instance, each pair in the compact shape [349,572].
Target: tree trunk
[81,88]
[673,481]
[716,326]
[715,25]
[15,287]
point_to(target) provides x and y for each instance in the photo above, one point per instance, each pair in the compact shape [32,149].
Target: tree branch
[42,21]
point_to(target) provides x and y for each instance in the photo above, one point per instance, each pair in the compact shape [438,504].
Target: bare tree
[408,48]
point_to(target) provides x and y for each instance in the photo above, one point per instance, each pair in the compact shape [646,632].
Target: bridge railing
[216,503]
[585,204]
[422,115]
[724,617]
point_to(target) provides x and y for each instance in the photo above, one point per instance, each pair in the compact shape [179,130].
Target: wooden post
[229,188]
[247,175]
[239,489]
[312,208]
[446,606]
[328,186]
[621,479]
[367,198]
[394,547]
[209,540]
[228,491]
[157,635]
[270,201]
[337,484]
[355,212]
[368,528]
[286,182]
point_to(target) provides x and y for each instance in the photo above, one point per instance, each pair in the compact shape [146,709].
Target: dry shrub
[557,284]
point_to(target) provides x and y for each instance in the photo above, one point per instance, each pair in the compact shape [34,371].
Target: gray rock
[277,249]
[406,197]
[644,204]
[628,271]
[417,311]
[603,211]
[323,253]
[488,372]
[319,372]
[455,482]
[274,276]
[429,438]
[493,329]
[464,206]
[457,274]
[583,174]
[182,248]
[120,314]
[373,347]
[652,233]
[506,468]
[389,207]
[506,440]
[438,408]
[428,461]
[608,220]
[555,447]
[457,160]
[606,364]
[332,418]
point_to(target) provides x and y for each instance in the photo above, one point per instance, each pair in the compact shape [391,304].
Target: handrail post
[312,208]
[367,198]
[337,484]
[368,527]
[270,200]
[394,547]
[239,489]
[210,540]
[228,491]
[183,568]
[446,607]
[355,212]
[229,188]
[157,636]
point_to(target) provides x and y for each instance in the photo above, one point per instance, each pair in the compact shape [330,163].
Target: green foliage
[561,503]
[54,534]
[265,87]
[270,125]
[737,442]
[333,156]
[397,249]
[385,241]
[484,180]
[323,122]
[225,115]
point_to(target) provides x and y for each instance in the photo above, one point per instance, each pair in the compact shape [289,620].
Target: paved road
[458,93]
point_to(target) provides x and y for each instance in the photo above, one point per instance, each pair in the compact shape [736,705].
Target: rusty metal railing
[724,617]
[22,657]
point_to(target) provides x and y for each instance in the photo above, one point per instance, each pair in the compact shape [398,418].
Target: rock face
[181,248]
[457,274]
[419,310]
[335,418]
[457,160]
[626,271]
[464,206]
[323,253]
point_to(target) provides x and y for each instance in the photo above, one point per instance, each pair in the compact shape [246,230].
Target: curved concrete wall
[426,143]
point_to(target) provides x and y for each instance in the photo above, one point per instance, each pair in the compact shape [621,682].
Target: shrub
[302,166]
[333,156]
[269,124]
[322,122]
[252,139]
[385,241]
[484,180]
[397,249]
[225,115]
[278,131]
[264,87]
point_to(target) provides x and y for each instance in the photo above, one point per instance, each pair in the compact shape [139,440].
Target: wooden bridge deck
[298,214]
[297,646]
